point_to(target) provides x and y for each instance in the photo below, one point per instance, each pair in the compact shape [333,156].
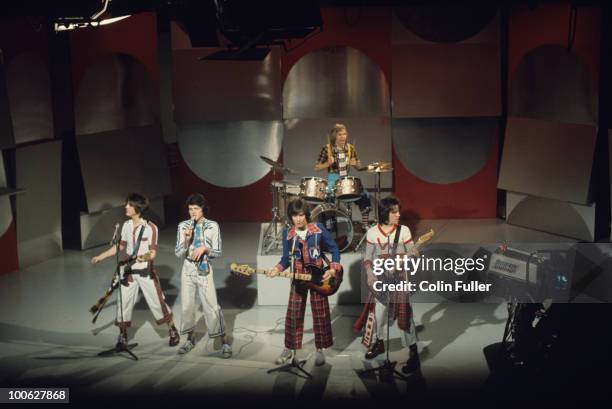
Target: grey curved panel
[304,139]
[552,216]
[225,90]
[29,93]
[97,228]
[115,93]
[444,150]
[6,214]
[553,84]
[548,159]
[227,154]
[449,23]
[116,163]
[335,82]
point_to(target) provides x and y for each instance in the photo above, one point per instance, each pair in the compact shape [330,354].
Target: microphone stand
[388,366]
[120,347]
[298,365]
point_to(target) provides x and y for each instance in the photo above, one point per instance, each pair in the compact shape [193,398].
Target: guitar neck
[289,274]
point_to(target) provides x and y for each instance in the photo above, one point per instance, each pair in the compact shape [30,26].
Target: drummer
[337,157]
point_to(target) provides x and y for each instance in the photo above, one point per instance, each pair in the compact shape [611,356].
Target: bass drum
[337,222]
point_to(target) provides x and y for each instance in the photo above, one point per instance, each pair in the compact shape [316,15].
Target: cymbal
[278,166]
[379,170]
[281,183]
[379,165]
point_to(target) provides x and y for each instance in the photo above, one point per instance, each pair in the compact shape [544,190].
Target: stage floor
[47,338]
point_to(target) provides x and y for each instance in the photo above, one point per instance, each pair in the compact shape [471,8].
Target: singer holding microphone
[198,240]
[139,240]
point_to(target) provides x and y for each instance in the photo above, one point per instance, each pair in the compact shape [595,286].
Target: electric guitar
[393,276]
[120,277]
[311,279]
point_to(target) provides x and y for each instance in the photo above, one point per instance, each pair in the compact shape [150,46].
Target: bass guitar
[312,278]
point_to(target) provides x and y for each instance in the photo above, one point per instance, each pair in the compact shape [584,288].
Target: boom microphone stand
[119,347]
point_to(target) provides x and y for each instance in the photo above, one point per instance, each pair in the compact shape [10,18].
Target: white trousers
[202,287]
[151,289]
[408,337]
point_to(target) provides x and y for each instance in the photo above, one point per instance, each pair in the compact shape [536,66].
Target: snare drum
[337,222]
[313,189]
[348,188]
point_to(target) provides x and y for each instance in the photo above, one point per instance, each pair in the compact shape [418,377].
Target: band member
[304,243]
[139,240]
[337,157]
[198,241]
[381,243]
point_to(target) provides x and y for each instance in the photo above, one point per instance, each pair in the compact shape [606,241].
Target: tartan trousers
[294,319]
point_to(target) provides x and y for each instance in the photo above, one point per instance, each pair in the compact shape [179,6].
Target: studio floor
[47,338]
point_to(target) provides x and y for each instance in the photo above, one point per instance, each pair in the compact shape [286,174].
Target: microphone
[115,237]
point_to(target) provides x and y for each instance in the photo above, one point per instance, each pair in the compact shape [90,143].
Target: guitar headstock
[242,269]
[425,237]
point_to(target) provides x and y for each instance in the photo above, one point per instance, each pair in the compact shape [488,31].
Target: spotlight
[75,22]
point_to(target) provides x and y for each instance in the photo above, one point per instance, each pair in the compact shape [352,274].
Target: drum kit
[332,203]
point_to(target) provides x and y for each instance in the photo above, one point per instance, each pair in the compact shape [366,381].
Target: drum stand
[272,236]
[376,201]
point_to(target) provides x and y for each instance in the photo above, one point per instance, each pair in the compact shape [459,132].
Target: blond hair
[334,131]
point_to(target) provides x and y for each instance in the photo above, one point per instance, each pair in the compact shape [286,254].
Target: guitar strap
[138,240]
[396,239]
[324,257]
[134,254]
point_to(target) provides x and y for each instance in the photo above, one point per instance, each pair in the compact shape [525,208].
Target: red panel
[367,29]
[548,24]
[136,36]
[251,203]
[471,198]
[9,259]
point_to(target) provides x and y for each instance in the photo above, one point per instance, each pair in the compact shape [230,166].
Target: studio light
[73,23]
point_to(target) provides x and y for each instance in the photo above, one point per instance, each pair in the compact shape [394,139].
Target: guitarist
[384,240]
[306,241]
[139,237]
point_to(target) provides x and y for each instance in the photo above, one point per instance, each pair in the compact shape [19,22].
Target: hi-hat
[379,170]
[278,166]
[377,167]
